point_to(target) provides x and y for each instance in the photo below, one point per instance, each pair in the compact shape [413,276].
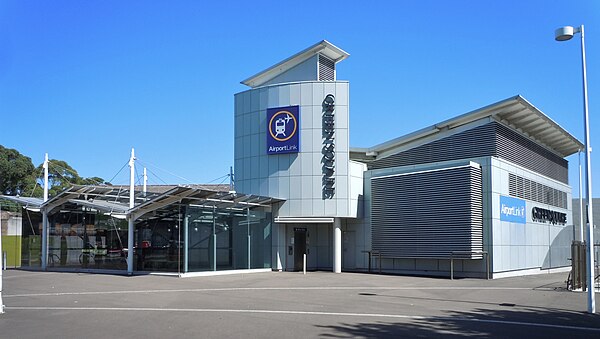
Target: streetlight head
[564,33]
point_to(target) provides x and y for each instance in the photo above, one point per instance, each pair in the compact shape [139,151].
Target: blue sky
[87,80]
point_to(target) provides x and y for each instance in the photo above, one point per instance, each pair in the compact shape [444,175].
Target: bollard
[304,264]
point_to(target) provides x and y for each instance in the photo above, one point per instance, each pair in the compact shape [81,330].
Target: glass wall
[177,238]
[31,242]
[227,238]
[86,239]
[158,245]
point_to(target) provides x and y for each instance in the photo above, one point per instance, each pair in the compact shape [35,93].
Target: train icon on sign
[283,125]
[280,125]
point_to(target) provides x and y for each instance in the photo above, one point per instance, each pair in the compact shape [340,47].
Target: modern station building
[491,184]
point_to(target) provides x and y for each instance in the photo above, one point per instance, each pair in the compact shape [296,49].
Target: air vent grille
[528,189]
[326,69]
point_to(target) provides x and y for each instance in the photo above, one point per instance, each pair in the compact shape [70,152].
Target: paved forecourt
[289,305]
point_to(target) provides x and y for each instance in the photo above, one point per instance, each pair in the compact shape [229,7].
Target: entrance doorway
[349,257]
[299,247]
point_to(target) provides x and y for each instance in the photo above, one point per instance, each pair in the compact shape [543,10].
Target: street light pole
[562,34]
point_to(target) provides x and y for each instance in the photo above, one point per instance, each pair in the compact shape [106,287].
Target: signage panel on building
[283,130]
[543,215]
[512,210]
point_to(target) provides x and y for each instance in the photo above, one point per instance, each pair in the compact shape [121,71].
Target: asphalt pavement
[290,305]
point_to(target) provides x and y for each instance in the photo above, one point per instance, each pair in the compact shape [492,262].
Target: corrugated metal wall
[493,139]
[427,214]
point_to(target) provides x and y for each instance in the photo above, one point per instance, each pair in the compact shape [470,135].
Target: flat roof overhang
[322,47]
[515,112]
[29,203]
[114,200]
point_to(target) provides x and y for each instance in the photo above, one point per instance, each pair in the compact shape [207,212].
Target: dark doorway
[299,248]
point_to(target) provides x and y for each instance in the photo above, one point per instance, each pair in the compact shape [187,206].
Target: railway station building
[485,192]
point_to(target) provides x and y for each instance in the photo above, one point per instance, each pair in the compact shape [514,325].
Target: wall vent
[326,69]
[528,189]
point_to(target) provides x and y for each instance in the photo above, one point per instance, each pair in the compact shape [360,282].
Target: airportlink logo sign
[512,210]
[283,130]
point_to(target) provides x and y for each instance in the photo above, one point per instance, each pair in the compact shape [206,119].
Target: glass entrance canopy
[177,229]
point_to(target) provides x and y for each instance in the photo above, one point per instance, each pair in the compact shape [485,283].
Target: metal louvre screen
[427,214]
[528,189]
[476,142]
[518,149]
[326,69]
[493,139]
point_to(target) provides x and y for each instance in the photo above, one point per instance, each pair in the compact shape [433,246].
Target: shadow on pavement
[529,322]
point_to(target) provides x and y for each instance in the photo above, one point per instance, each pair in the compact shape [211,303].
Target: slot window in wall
[528,189]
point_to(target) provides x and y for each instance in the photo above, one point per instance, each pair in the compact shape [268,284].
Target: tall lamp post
[563,34]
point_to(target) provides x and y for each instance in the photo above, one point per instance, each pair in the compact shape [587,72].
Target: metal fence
[577,277]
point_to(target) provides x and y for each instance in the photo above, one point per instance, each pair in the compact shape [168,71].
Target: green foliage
[62,176]
[15,171]
[18,176]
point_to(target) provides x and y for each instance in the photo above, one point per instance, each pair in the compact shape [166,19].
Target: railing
[484,254]
[372,253]
[577,278]
[453,255]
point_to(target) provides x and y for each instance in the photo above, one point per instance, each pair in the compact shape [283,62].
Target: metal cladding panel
[428,214]
[522,151]
[493,139]
[476,142]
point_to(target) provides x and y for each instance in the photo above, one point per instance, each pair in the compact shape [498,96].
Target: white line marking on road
[365,288]
[342,314]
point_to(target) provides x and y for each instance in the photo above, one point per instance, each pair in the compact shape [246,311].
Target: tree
[18,176]
[62,176]
[16,172]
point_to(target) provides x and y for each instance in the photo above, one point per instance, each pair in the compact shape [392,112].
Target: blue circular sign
[283,126]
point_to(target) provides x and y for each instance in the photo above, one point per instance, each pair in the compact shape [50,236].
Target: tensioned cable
[157,177]
[36,182]
[222,181]
[62,176]
[30,222]
[173,174]
[138,179]
[221,177]
[113,178]
[72,171]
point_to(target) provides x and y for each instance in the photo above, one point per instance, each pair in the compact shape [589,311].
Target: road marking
[14,275]
[270,289]
[342,314]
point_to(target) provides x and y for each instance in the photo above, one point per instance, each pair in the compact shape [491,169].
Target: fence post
[451,266]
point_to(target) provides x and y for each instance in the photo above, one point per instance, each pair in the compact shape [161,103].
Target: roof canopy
[323,47]
[114,200]
[515,112]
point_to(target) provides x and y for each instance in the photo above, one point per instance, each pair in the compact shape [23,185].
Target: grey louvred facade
[428,214]
[492,139]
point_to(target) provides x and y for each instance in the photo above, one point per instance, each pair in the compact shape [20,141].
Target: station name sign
[328,150]
[512,210]
[543,215]
[283,130]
